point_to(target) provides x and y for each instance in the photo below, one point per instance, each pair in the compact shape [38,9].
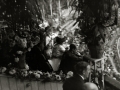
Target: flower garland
[24,74]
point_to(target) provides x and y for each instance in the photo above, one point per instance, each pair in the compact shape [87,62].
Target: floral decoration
[24,74]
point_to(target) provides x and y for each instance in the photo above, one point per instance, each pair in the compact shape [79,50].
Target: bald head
[90,86]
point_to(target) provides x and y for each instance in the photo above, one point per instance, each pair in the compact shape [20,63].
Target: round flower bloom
[20,52]
[48,74]
[58,77]
[16,59]
[37,75]
[3,69]
[24,74]
[26,67]
[30,72]
[12,72]
[39,72]
[29,49]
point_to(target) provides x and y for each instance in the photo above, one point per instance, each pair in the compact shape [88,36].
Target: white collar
[81,77]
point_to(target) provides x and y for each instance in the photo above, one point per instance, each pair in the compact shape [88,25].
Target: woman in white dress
[57,53]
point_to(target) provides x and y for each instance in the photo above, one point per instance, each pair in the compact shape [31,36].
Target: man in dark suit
[69,59]
[82,70]
[37,60]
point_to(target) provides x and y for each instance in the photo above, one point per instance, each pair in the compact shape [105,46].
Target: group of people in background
[41,51]
[48,53]
[55,56]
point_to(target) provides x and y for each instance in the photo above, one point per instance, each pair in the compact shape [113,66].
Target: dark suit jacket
[74,83]
[37,61]
[69,59]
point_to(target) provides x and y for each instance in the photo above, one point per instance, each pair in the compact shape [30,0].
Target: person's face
[87,72]
[23,42]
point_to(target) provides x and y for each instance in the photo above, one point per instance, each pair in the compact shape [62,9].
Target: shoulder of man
[72,84]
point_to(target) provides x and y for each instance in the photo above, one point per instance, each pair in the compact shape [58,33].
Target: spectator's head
[90,86]
[72,47]
[59,40]
[82,68]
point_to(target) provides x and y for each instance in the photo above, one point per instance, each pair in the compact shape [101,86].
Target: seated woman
[57,53]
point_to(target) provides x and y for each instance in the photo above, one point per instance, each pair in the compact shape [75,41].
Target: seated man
[90,86]
[76,82]
[69,59]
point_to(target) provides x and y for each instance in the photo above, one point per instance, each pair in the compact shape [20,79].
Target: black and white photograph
[59,44]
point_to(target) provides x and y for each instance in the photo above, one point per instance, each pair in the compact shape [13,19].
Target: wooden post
[101,68]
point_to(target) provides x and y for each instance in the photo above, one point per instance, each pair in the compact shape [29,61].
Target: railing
[9,83]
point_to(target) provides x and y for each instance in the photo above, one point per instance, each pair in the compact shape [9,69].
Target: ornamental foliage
[94,17]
